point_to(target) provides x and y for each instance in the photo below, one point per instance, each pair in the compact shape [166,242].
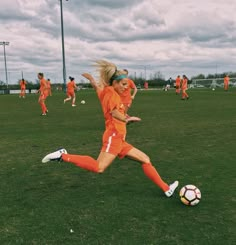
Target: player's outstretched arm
[116,114]
[91,80]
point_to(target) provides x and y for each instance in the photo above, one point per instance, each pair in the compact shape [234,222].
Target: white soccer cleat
[55,156]
[172,188]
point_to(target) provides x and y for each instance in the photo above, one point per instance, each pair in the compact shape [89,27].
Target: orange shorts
[115,144]
[42,97]
[70,93]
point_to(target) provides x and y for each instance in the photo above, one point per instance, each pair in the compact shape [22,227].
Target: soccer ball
[213,89]
[82,102]
[190,195]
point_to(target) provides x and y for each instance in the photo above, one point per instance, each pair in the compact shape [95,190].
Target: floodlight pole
[5,59]
[145,71]
[63,46]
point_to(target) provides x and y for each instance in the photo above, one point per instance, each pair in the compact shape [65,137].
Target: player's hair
[40,74]
[127,72]
[108,72]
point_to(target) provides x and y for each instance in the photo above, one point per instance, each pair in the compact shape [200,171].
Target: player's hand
[87,76]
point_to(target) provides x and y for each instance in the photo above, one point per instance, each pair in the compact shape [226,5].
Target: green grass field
[193,141]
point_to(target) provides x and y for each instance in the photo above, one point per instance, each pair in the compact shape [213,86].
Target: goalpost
[212,83]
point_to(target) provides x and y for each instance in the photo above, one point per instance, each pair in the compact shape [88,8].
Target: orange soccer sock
[153,175]
[184,95]
[85,162]
[42,107]
[45,108]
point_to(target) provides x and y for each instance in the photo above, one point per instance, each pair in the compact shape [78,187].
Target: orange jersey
[47,91]
[177,81]
[71,86]
[126,95]
[22,84]
[110,100]
[226,80]
[184,84]
[49,85]
[43,86]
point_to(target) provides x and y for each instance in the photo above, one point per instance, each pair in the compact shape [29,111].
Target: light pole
[4,49]
[63,47]
[145,71]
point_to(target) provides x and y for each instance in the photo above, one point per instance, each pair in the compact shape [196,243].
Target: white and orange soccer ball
[82,102]
[190,195]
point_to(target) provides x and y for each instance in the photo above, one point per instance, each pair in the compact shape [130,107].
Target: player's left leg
[73,100]
[151,172]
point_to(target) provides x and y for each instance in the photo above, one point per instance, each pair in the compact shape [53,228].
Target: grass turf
[192,141]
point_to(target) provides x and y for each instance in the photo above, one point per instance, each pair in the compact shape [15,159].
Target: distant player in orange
[22,88]
[184,87]
[49,87]
[177,84]
[226,82]
[71,87]
[129,93]
[145,85]
[43,93]
[114,83]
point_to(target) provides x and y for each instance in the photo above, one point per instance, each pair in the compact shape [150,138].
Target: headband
[120,77]
[117,78]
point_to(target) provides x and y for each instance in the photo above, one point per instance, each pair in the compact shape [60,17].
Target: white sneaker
[172,188]
[73,105]
[55,156]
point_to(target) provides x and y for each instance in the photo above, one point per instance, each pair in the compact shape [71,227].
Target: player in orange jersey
[49,87]
[184,87]
[126,97]
[114,83]
[226,82]
[71,86]
[177,84]
[43,92]
[22,88]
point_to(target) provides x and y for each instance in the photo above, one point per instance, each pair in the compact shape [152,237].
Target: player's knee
[146,158]
[101,170]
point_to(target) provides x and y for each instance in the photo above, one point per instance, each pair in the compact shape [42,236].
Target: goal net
[212,83]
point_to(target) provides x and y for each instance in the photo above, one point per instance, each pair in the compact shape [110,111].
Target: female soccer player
[226,82]
[184,87]
[22,88]
[177,84]
[49,87]
[71,86]
[43,93]
[113,82]
[126,97]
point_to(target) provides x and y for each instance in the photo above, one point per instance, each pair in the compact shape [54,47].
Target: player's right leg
[86,162]
[54,156]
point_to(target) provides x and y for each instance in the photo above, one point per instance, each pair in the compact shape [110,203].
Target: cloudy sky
[145,36]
